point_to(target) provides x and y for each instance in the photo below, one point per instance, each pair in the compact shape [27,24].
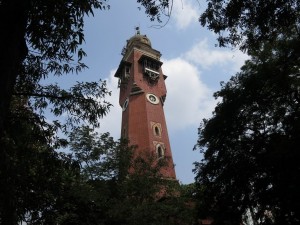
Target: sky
[194,66]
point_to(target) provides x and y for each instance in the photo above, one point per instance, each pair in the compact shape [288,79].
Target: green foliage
[251,143]
[247,24]
[54,33]
[126,189]
[99,156]
[32,174]
[38,185]
[31,171]
[82,103]
[98,183]
[156,8]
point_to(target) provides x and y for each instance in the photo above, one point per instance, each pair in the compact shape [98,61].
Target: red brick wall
[137,118]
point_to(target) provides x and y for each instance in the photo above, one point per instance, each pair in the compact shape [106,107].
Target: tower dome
[138,40]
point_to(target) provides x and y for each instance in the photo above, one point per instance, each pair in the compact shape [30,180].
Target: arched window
[157,131]
[125,104]
[156,128]
[160,151]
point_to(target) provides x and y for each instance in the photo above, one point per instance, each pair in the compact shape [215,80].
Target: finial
[137,30]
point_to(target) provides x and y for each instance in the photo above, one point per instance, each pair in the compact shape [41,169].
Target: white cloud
[184,13]
[189,100]
[112,122]
[202,55]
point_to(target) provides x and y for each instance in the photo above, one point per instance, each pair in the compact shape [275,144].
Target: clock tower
[142,96]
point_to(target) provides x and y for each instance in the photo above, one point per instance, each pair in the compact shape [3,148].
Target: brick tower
[142,96]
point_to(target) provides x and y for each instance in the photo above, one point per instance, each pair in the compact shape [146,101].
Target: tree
[126,189]
[247,24]
[31,135]
[254,128]
[41,38]
[32,173]
[251,143]
[87,186]
[157,8]
[100,157]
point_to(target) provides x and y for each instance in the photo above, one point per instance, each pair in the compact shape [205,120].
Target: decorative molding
[155,126]
[160,149]
[152,98]
[135,89]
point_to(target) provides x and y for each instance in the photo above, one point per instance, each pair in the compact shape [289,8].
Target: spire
[137,30]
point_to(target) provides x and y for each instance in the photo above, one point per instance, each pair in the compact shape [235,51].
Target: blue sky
[194,66]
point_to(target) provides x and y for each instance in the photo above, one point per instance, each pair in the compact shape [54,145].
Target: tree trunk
[13,50]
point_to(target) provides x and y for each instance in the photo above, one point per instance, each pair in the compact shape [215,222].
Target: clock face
[152,98]
[125,104]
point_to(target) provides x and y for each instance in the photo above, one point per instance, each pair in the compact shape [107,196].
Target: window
[160,151]
[151,68]
[126,74]
[156,128]
[127,70]
[157,131]
[125,104]
[151,64]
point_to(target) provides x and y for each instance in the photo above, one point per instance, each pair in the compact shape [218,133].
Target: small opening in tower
[160,152]
[157,131]
[127,70]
